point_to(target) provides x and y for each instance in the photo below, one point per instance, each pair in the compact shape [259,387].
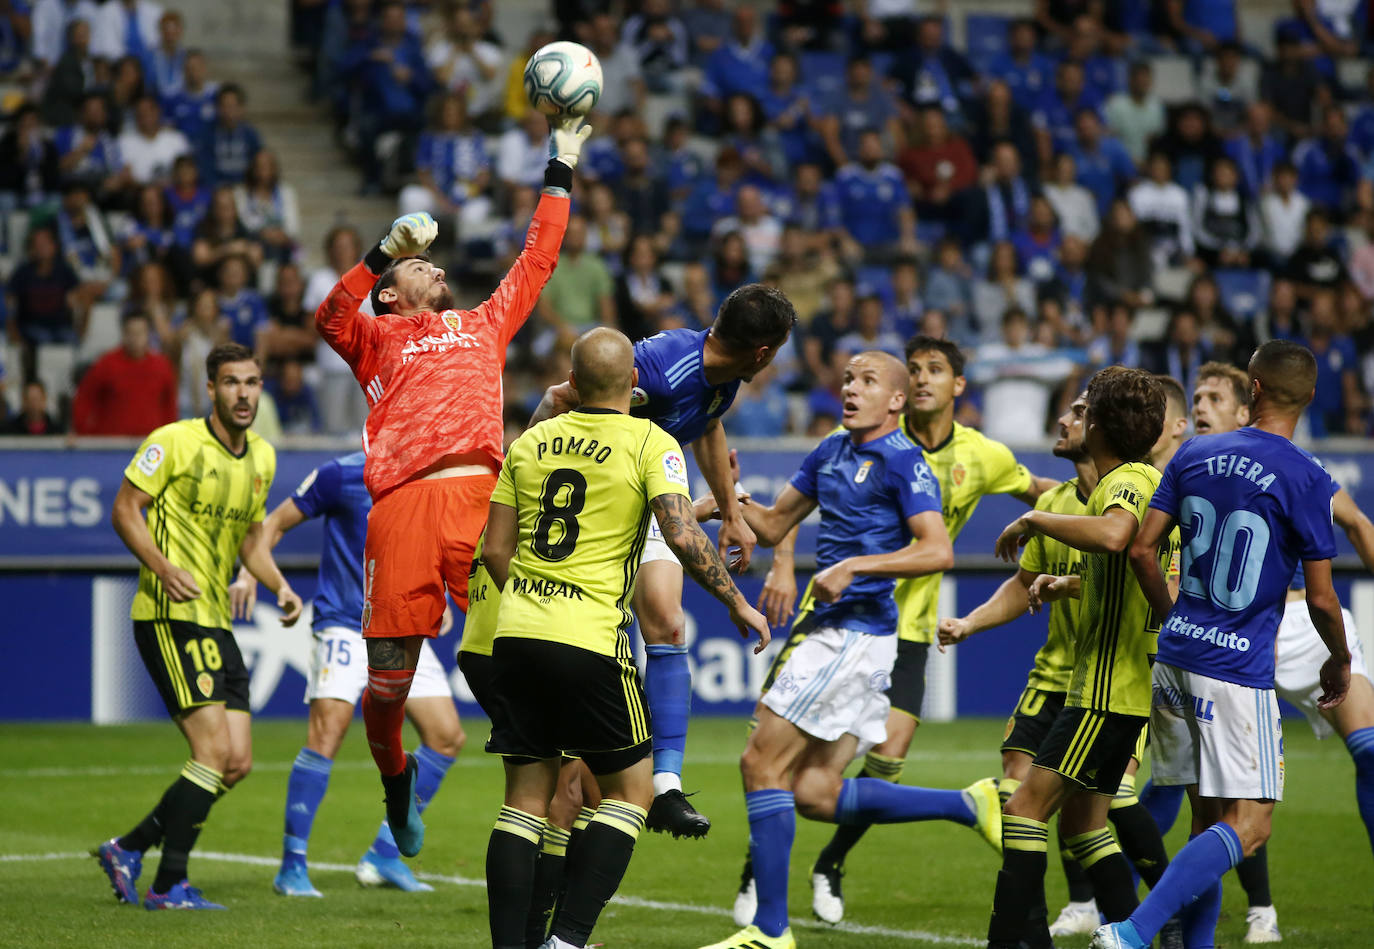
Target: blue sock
[668,688]
[875,801]
[304,790]
[1163,803]
[1200,919]
[1361,745]
[1191,875]
[430,768]
[772,825]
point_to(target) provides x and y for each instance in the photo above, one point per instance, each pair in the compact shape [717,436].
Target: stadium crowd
[1095,183]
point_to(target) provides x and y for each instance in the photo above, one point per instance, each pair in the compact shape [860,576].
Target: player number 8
[558,507]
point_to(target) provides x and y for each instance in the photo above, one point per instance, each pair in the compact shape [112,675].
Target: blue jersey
[1250,505]
[865,493]
[673,392]
[335,489]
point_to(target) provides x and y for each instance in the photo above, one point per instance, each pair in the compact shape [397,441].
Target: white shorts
[655,547]
[338,668]
[1298,663]
[835,683]
[1225,738]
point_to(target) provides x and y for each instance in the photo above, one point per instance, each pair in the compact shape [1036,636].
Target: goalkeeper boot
[122,867]
[402,809]
[672,813]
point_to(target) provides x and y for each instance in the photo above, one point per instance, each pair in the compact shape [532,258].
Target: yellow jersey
[581,485]
[484,600]
[1117,630]
[204,500]
[1054,662]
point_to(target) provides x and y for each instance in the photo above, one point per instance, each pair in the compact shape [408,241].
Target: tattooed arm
[701,560]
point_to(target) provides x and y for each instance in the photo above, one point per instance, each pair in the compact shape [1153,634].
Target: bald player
[880,520]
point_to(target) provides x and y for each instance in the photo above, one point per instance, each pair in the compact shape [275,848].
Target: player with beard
[432,375]
[204,484]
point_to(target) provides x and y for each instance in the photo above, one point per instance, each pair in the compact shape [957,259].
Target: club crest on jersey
[257,484]
[452,320]
[861,475]
[205,683]
[958,473]
[638,397]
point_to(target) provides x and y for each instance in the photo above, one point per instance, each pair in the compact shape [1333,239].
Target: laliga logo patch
[638,397]
[958,473]
[305,485]
[151,459]
[452,320]
[862,474]
[205,683]
[674,468]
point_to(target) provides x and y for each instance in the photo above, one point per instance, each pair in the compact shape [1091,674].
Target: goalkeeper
[432,377]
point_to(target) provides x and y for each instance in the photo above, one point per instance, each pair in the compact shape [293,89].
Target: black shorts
[908,688]
[192,665]
[478,670]
[1091,748]
[553,699]
[1035,713]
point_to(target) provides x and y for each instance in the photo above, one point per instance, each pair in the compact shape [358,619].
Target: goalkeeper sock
[430,768]
[384,712]
[668,689]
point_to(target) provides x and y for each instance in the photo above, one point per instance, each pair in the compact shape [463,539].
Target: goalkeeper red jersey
[433,380]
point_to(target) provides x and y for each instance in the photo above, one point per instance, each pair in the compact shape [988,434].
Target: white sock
[666,781]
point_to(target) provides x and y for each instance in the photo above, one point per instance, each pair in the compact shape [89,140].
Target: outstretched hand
[567,135]
[410,235]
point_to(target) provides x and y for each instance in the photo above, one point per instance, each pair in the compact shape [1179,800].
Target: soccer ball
[563,79]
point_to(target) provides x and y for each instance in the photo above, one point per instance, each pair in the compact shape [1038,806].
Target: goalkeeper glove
[409,236]
[566,137]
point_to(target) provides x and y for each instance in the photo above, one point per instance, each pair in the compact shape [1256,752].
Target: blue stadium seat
[1243,292]
[986,37]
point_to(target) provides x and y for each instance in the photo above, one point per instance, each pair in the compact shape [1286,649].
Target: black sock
[1080,887]
[512,852]
[843,840]
[148,833]
[1254,877]
[595,870]
[1113,887]
[1140,841]
[548,884]
[584,817]
[184,809]
[1018,904]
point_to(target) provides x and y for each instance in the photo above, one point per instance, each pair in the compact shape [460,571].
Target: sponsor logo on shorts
[786,683]
[1180,624]
[205,683]
[879,681]
[675,468]
[151,459]
[1180,702]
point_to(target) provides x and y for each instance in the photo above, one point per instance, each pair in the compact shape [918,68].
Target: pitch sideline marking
[636,902]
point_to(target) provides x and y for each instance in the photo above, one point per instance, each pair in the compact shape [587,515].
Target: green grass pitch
[64,788]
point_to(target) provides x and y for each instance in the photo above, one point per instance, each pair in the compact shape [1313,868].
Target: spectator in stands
[1102,73]
[1002,206]
[228,146]
[33,417]
[871,330]
[266,206]
[1315,265]
[1328,165]
[522,152]
[760,409]
[392,81]
[934,73]
[994,119]
[643,296]
[1331,29]
[1257,149]
[187,200]
[239,302]
[1362,260]
[660,44]
[1001,288]
[581,293]
[73,74]
[167,60]
[1069,287]
[150,147]
[1337,402]
[1226,338]
[130,390]
[1073,205]
[203,330]
[802,273]
[290,331]
[1199,26]
[1191,145]
[1283,211]
[153,294]
[1136,115]
[886,25]
[1229,85]
[875,208]
[464,63]
[297,407]
[949,289]
[452,166]
[740,64]
[43,297]
[126,86]
[1280,318]
[125,28]
[1104,167]
[760,230]
[192,108]
[1290,85]
[1054,119]
[908,309]
[346,25]
[1119,264]
[758,144]
[697,308]
[15,30]
[1037,244]
[149,237]
[788,109]
[1112,343]
[623,86]
[815,208]
[28,162]
[222,235]
[642,190]
[937,167]
[89,246]
[1017,376]
[50,33]
[1182,351]
[608,228]
[88,153]
[827,327]
[342,249]
[729,266]
[1226,223]
[708,28]
[858,105]
[1027,72]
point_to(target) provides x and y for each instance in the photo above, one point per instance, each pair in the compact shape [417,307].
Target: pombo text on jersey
[563,79]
